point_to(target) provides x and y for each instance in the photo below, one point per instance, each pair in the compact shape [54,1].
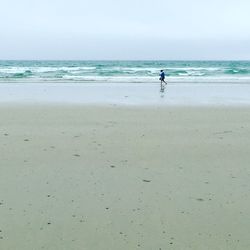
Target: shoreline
[126,94]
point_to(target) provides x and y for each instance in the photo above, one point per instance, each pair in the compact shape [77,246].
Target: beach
[122,128]
[91,176]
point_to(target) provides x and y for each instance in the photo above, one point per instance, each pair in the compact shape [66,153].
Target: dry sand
[114,178]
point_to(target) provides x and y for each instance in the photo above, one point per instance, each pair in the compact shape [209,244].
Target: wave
[235,71]
[118,70]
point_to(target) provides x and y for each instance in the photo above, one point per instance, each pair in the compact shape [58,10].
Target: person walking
[162,79]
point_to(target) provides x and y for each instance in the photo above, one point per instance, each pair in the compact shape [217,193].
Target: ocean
[124,71]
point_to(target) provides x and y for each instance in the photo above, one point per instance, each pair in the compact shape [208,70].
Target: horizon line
[138,60]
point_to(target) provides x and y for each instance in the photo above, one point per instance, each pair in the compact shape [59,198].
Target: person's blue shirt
[162,75]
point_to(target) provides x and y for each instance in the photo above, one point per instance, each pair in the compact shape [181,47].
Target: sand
[109,178]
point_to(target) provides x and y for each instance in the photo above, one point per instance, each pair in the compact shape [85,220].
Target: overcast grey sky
[129,29]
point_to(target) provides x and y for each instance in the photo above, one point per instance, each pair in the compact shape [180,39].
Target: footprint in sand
[200,199]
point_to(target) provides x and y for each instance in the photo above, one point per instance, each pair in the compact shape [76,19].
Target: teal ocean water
[124,71]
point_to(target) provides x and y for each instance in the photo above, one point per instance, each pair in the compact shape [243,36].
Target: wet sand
[109,178]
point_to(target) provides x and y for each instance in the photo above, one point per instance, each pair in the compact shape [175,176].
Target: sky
[125,30]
